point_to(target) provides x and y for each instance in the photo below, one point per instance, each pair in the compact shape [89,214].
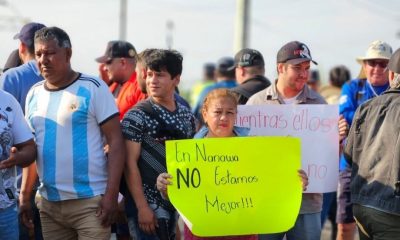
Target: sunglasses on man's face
[380,63]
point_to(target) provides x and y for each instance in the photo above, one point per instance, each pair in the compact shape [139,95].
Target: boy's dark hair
[170,60]
[339,75]
[144,55]
[53,33]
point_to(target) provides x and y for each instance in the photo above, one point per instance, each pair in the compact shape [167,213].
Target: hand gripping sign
[235,186]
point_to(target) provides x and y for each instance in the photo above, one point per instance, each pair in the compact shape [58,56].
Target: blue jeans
[9,223]
[166,225]
[307,227]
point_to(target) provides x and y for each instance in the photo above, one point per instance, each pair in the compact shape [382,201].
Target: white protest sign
[315,124]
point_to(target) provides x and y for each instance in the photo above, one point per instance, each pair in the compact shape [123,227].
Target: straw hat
[376,50]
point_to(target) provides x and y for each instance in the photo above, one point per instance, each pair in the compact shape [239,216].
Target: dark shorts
[344,212]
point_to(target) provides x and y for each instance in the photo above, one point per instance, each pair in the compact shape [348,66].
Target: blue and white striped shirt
[66,123]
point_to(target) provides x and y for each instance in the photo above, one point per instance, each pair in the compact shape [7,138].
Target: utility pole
[169,37]
[123,19]
[241,25]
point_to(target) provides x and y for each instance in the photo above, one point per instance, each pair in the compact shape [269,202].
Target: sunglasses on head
[375,62]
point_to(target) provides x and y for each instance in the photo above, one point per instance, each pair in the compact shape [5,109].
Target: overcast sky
[336,31]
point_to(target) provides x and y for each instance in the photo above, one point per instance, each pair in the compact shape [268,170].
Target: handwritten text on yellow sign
[235,186]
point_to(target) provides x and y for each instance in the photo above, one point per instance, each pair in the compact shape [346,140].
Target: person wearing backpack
[145,128]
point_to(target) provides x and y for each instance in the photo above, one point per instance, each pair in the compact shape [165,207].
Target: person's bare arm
[116,160]
[21,154]
[29,178]
[146,217]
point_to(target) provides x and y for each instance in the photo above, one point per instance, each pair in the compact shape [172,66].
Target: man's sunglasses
[380,63]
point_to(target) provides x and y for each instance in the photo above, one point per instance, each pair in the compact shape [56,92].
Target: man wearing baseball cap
[249,72]
[293,65]
[26,37]
[372,81]
[119,62]
[18,81]
[373,149]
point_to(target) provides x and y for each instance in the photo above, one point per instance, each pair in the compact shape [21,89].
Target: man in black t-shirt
[146,127]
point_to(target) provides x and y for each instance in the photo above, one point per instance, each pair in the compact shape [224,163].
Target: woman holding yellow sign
[219,114]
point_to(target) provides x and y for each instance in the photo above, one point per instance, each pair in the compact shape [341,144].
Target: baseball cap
[117,49]
[377,50]
[248,57]
[225,64]
[27,32]
[394,62]
[294,52]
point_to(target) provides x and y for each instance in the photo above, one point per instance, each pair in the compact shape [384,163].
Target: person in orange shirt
[119,62]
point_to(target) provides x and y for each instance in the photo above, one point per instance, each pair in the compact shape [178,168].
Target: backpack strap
[147,107]
[163,129]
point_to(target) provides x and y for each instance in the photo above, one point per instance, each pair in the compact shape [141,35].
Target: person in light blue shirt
[18,80]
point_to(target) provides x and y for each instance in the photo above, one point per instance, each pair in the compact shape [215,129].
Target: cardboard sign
[235,186]
[316,125]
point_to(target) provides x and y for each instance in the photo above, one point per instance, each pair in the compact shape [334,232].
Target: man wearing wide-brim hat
[373,149]
[372,82]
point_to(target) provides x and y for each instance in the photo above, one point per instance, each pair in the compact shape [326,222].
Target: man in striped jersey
[69,113]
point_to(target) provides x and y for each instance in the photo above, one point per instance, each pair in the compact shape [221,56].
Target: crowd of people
[82,156]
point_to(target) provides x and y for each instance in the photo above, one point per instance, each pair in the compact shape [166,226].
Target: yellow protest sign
[235,186]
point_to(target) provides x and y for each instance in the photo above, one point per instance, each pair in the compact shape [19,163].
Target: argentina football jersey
[66,124]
